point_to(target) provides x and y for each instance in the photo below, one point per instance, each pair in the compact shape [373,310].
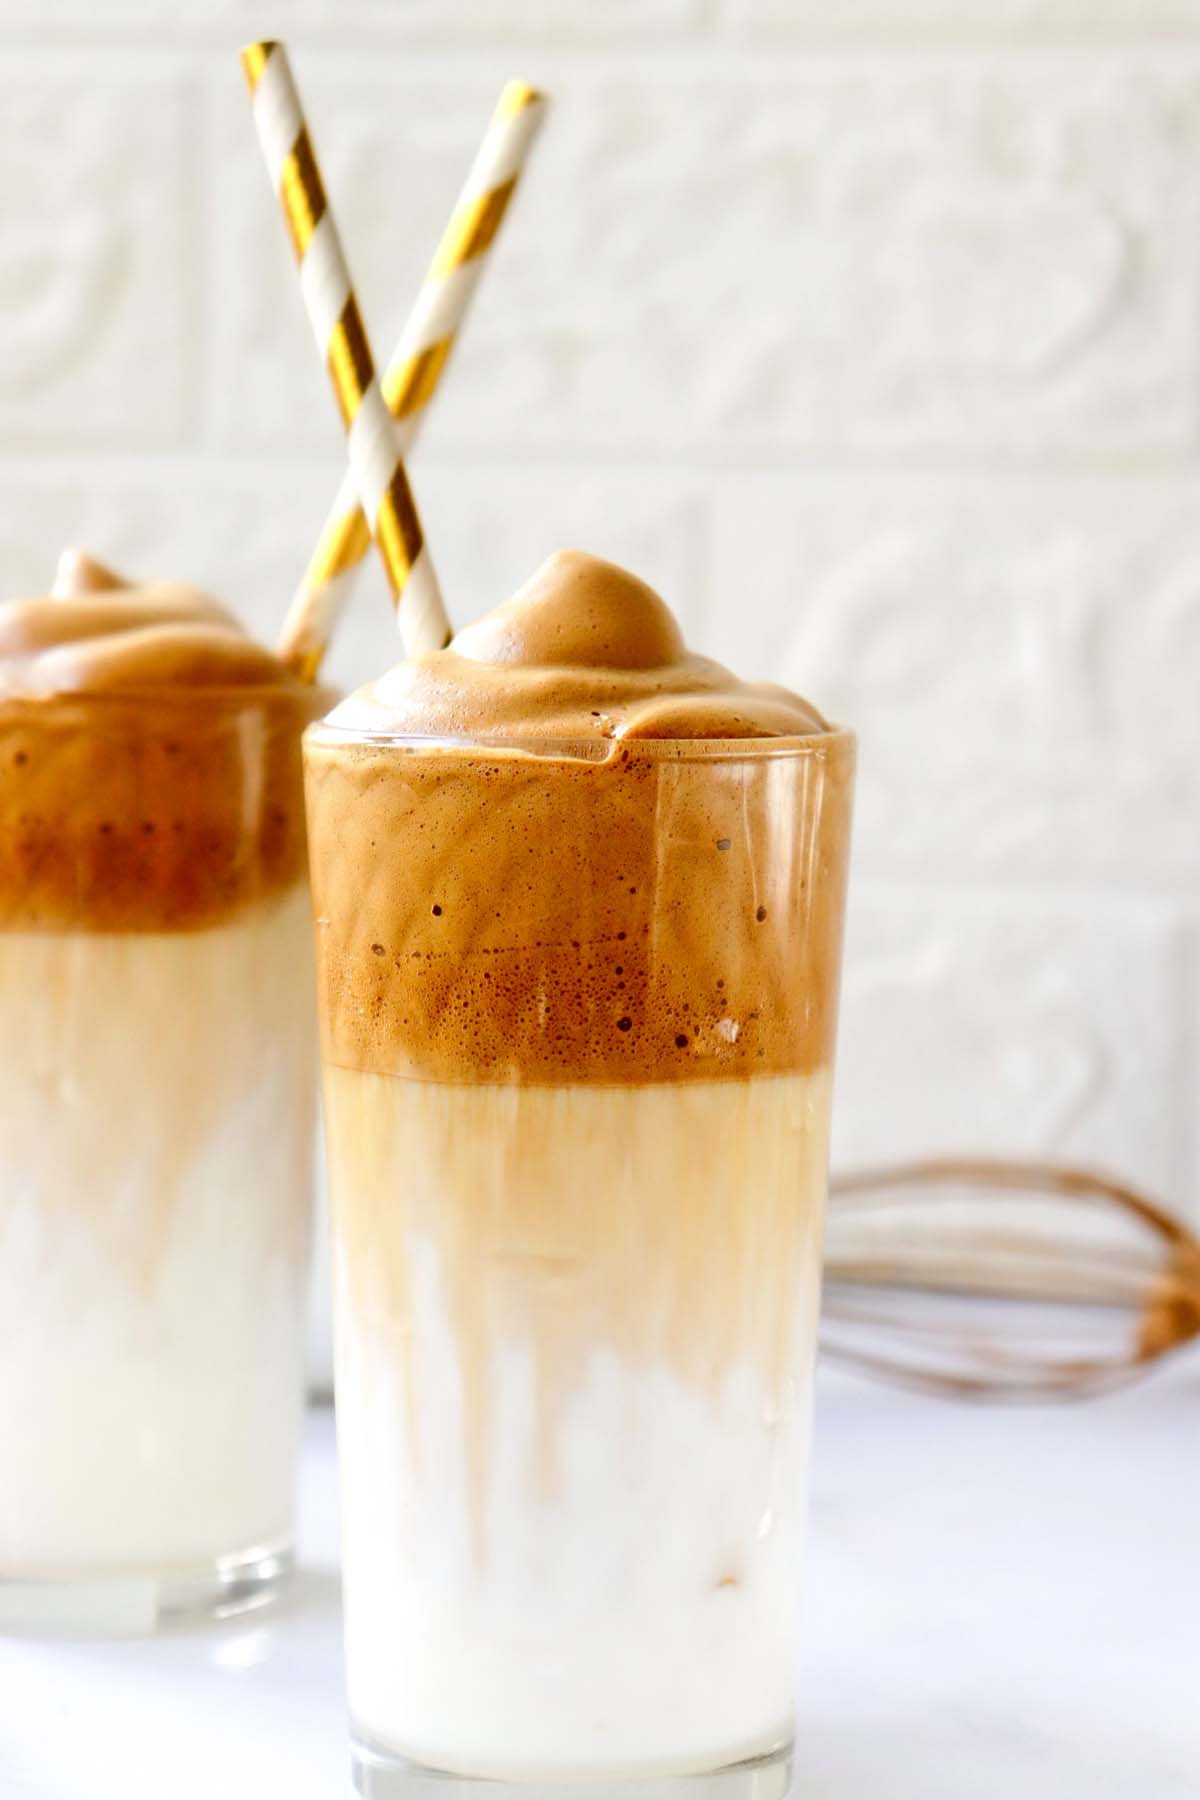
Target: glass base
[380,1774]
[137,1602]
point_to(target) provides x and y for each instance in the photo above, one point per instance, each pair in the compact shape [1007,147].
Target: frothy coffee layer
[149,759]
[583,652]
[98,634]
[606,889]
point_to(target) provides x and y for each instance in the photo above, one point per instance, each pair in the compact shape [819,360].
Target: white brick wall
[869,331]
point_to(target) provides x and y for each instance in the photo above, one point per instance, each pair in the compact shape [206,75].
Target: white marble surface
[1001,1604]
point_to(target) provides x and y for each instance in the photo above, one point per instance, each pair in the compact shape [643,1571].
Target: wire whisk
[1004,1281]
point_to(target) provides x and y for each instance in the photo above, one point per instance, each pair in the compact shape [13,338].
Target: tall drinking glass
[157,1091]
[578,1010]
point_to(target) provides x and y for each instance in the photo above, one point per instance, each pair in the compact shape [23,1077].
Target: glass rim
[837,740]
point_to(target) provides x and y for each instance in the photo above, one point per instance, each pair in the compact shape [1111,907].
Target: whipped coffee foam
[127,716]
[583,652]
[595,894]
[97,633]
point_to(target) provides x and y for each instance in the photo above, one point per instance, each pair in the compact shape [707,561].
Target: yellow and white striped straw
[418,362]
[333,312]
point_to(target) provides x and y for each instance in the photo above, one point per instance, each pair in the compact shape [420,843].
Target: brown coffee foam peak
[659,903]
[584,651]
[149,759]
[97,633]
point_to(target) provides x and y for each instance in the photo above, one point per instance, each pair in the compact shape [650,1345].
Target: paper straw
[418,362]
[333,312]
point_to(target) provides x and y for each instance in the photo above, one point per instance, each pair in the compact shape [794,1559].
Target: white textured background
[867,330]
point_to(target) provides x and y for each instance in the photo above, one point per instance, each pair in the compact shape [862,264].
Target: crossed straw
[381,421]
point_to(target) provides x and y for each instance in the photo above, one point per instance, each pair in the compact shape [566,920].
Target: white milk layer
[156,1124]
[575,1341]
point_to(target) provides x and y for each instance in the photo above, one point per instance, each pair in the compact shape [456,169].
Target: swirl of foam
[149,759]
[96,633]
[583,651]
[564,896]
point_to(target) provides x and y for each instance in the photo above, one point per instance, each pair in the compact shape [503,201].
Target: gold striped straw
[418,362]
[337,324]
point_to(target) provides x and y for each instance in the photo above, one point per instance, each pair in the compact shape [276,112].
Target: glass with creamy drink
[157,1076]
[579,904]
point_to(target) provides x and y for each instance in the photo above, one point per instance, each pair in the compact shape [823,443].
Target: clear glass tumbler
[157,1092]
[578,1022]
